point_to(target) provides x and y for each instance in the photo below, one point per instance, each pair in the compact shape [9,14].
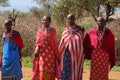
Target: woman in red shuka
[45,54]
[99,45]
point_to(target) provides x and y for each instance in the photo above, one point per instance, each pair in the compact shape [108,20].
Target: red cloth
[73,42]
[51,38]
[99,64]
[18,41]
[16,36]
[48,55]
[108,44]
[44,67]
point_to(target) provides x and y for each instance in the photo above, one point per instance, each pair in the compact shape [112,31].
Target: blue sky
[21,5]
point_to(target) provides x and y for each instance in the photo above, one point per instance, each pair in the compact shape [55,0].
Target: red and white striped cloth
[74,42]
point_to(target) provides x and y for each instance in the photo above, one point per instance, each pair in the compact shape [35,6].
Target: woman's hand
[57,78]
[36,53]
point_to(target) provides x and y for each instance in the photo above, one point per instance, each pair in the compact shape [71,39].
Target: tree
[94,7]
[46,4]
[38,13]
[60,8]
[4,3]
[63,7]
[98,7]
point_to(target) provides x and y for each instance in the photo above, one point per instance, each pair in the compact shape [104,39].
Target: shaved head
[101,23]
[71,16]
[48,18]
[8,22]
[100,19]
[70,19]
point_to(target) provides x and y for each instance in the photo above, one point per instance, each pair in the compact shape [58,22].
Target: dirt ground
[27,72]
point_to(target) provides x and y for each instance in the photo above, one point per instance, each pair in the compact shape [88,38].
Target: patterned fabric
[66,66]
[50,37]
[44,67]
[73,41]
[100,48]
[99,64]
[11,59]
[108,44]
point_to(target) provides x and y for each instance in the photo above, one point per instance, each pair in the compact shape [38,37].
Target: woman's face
[70,20]
[100,23]
[8,26]
[46,22]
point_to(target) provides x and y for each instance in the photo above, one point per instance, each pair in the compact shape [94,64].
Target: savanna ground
[113,75]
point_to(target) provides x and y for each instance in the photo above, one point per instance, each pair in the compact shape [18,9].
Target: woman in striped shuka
[71,50]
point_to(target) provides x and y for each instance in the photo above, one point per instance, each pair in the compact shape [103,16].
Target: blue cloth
[11,60]
[66,73]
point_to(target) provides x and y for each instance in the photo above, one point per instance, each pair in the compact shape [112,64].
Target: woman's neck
[102,29]
[72,26]
[46,27]
[8,31]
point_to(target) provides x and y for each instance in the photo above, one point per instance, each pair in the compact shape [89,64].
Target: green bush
[27,62]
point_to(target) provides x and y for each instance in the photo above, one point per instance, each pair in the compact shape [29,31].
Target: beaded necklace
[46,30]
[101,34]
[72,29]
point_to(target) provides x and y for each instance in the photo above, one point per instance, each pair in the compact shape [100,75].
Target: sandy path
[27,72]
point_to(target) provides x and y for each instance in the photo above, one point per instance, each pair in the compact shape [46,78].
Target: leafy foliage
[46,5]
[38,13]
[63,7]
[98,7]
[4,3]
[60,8]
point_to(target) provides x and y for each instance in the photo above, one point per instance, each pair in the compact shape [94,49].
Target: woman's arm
[37,49]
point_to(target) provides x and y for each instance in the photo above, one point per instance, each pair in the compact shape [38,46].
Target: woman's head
[101,23]
[70,19]
[46,20]
[8,24]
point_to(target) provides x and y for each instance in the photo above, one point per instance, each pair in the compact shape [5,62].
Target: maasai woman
[11,66]
[99,46]
[46,50]
[71,50]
